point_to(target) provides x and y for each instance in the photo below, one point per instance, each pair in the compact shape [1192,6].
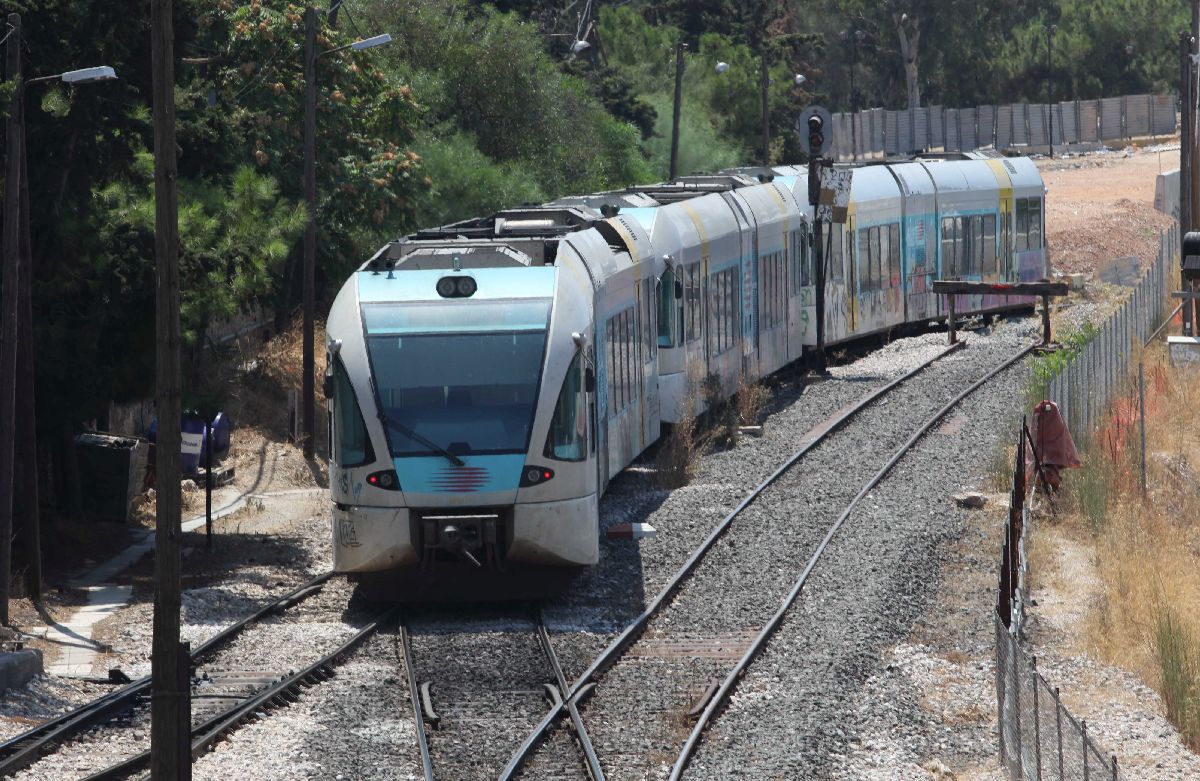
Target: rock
[938,771]
[972,500]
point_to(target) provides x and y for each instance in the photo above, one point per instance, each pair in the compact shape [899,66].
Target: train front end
[460,459]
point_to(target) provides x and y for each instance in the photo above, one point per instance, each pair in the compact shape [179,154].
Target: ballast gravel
[840,693]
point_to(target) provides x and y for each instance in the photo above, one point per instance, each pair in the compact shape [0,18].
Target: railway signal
[816,131]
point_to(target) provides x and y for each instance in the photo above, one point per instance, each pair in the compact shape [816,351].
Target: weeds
[1175,649]
[677,453]
[751,399]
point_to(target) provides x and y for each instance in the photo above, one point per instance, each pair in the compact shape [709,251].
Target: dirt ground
[1101,206]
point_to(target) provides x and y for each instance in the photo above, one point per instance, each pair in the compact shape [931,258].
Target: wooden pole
[26,448]
[310,227]
[1185,155]
[170,732]
[679,50]
[9,305]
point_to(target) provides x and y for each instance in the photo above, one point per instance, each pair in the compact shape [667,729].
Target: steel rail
[770,628]
[614,649]
[585,742]
[415,697]
[278,694]
[23,750]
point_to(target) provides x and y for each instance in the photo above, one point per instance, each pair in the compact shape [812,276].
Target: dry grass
[752,397]
[677,454]
[1147,548]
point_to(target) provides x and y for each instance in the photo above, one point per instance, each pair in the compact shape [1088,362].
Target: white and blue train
[488,378]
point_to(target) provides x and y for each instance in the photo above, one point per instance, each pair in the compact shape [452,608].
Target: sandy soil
[1101,207]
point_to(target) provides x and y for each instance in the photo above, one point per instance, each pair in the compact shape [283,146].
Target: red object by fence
[1052,444]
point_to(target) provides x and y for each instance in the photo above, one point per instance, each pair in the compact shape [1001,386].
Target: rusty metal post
[208,485]
[1083,733]
[1045,319]
[1142,418]
[952,337]
[1058,729]
[1037,719]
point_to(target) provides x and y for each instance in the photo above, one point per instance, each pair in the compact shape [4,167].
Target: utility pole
[310,226]
[9,305]
[27,485]
[170,726]
[1185,161]
[1050,31]
[766,107]
[680,48]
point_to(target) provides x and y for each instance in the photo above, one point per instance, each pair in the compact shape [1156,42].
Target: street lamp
[310,200]
[16,355]
[1050,31]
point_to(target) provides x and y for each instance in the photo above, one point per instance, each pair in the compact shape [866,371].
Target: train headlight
[535,475]
[386,480]
[456,287]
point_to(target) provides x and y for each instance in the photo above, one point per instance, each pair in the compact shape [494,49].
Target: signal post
[813,125]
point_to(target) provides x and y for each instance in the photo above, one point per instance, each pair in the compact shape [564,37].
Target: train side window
[832,257]
[989,244]
[1035,223]
[666,309]
[876,259]
[694,302]
[885,250]
[894,254]
[610,365]
[627,349]
[567,440]
[1022,224]
[806,267]
[864,259]
[350,440]
[948,247]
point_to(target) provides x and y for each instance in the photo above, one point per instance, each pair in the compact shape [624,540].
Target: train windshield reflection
[470,391]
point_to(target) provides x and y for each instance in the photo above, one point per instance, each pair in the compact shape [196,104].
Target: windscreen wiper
[408,432]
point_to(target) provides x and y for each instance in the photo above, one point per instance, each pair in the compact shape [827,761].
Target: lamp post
[16,356]
[310,200]
[855,37]
[680,48]
[1050,31]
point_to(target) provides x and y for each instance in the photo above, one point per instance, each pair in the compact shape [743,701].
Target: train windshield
[457,378]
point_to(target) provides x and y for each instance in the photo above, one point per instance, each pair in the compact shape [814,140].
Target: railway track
[217,693]
[467,689]
[693,673]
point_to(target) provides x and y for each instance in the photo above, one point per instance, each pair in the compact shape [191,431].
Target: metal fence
[878,132]
[1086,385]
[1039,738]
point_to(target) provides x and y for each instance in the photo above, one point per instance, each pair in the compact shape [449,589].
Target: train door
[649,358]
[600,397]
[801,327]
[748,272]
[847,256]
[1007,272]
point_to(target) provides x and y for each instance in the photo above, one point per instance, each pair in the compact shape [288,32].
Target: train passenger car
[487,379]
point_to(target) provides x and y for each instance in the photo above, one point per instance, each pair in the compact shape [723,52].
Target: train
[488,378]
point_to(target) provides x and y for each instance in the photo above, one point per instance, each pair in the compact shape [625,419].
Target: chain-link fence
[876,132]
[1039,738]
[1087,383]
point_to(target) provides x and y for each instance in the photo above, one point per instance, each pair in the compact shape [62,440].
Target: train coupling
[466,537]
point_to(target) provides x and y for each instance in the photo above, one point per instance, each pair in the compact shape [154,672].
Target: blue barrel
[219,433]
[192,430]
